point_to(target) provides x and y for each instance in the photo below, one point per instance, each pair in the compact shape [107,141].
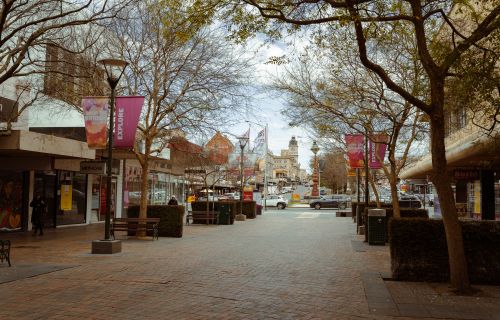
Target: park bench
[210,217]
[5,251]
[135,225]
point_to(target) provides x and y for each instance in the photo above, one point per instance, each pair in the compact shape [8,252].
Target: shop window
[11,201]
[72,194]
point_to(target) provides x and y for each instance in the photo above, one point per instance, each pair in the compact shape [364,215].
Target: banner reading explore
[378,145]
[95,114]
[127,113]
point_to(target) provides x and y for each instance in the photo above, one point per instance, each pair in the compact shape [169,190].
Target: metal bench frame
[212,216]
[135,225]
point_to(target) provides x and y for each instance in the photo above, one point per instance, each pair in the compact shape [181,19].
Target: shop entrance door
[45,184]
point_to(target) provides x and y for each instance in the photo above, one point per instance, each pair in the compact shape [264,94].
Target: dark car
[332,201]
[409,201]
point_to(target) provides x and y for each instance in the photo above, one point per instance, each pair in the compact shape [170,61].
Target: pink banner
[378,145]
[127,113]
[95,114]
[355,150]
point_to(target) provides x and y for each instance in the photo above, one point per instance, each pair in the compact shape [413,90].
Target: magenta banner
[378,145]
[355,150]
[127,113]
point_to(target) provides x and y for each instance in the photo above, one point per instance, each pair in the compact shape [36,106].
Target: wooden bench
[210,217]
[5,251]
[136,225]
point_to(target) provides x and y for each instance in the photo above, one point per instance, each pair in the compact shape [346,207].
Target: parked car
[428,198]
[340,201]
[276,201]
[210,198]
[409,201]
[230,196]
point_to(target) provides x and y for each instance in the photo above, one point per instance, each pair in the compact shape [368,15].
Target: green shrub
[389,213]
[202,205]
[361,205]
[249,209]
[171,218]
[214,206]
[419,251]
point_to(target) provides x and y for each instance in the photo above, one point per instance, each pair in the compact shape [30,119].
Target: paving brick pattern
[286,264]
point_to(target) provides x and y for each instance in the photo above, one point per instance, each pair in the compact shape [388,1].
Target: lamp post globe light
[243,141]
[114,70]
[315,191]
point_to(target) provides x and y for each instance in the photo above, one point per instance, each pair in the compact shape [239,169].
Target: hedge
[362,208]
[202,206]
[249,208]
[171,218]
[389,214]
[425,257]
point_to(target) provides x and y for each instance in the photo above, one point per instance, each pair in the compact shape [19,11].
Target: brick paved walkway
[286,264]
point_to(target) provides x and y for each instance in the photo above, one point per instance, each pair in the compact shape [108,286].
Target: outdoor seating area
[134,226]
[210,217]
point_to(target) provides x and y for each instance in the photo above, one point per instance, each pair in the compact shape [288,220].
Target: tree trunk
[144,190]
[459,277]
[393,181]
[375,191]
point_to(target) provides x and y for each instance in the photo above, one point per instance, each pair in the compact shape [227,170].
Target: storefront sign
[195,171]
[355,145]
[8,110]
[248,193]
[93,167]
[127,113]
[352,172]
[466,174]
[95,114]
[66,197]
[378,145]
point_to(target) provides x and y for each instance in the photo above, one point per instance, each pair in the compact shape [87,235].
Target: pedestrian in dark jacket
[173,201]
[37,216]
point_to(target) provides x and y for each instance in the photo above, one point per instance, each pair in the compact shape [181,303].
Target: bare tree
[466,26]
[31,30]
[191,78]
[330,91]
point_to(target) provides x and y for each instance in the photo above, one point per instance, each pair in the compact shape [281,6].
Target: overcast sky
[268,106]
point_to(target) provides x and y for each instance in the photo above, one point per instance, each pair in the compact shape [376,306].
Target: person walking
[37,216]
[173,201]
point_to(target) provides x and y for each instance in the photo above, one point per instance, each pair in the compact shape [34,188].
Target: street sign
[93,167]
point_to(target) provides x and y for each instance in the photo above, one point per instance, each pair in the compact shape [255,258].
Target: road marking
[305,215]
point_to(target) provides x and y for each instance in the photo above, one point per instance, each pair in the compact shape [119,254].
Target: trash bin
[376,226]
[258,208]
[224,213]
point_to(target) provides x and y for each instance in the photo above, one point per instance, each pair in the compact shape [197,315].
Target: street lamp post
[315,149]
[243,142]
[114,70]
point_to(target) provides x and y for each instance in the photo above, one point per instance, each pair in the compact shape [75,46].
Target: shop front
[32,163]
